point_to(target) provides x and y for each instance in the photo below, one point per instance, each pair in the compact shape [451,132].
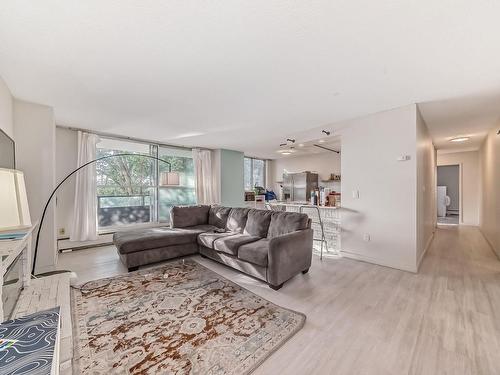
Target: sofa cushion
[207,239]
[152,238]
[258,223]
[237,219]
[255,252]
[188,216]
[230,244]
[217,216]
[202,228]
[286,222]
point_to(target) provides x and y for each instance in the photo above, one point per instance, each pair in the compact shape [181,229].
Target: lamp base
[73,278]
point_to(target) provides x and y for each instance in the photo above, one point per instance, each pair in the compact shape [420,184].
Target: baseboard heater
[64,244]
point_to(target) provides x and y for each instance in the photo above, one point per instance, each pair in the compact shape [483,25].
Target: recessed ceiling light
[321,141]
[459,139]
[286,153]
[301,145]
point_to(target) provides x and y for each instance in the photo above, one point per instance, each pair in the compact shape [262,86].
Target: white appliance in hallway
[443,201]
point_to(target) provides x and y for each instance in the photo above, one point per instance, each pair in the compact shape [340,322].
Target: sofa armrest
[288,255]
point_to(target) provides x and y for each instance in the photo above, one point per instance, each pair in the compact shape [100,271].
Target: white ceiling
[469,116]
[245,74]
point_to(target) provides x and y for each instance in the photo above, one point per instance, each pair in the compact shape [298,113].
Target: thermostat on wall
[404,157]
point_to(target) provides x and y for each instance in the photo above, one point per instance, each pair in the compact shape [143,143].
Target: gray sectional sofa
[269,245]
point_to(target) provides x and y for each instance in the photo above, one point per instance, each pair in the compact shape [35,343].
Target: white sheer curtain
[84,226]
[204,182]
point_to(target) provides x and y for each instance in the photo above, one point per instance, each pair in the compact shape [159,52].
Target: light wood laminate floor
[368,319]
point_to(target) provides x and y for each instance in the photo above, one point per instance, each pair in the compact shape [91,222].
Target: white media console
[10,251]
[39,294]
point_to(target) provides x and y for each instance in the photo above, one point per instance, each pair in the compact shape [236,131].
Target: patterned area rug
[175,319]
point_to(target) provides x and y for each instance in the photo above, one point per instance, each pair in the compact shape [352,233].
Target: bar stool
[303,209]
[275,207]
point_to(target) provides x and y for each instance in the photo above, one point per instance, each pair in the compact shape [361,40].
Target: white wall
[66,162]
[324,164]
[426,188]
[6,111]
[490,201]
[34,132]
[470,179]
[387,204]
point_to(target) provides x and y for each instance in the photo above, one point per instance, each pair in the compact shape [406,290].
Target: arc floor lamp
[167,179]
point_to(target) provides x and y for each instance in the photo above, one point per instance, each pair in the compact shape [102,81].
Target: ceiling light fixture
[286,151]
[290,140]
[321,141]
[326,132]
[459,139]
[301,145]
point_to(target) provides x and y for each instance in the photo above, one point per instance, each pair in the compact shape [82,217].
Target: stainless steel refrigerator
[297,187]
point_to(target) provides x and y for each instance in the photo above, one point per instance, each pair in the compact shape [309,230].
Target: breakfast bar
[325,223]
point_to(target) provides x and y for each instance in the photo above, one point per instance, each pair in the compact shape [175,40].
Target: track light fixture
[326,132]
[291,140]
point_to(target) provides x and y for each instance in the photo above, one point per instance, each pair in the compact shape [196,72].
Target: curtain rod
[124,137]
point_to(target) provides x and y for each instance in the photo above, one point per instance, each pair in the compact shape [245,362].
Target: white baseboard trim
[497,253]
[427,245]
[43,269]
[380,262]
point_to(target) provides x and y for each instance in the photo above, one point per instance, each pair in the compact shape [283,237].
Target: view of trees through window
[127,186]
[254,171]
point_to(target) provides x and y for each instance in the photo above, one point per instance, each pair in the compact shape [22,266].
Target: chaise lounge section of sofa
[269,245]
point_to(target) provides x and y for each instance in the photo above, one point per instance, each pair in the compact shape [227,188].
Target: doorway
[448,194]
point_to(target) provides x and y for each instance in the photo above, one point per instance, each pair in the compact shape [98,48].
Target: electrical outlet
[366,237]
[62,231]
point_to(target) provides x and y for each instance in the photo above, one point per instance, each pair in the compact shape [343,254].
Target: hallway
[460,329]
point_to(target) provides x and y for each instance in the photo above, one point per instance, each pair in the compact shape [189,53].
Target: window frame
[252,181]
[154,152]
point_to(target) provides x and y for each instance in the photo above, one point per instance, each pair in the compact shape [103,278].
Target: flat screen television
[11,287]
[7,151]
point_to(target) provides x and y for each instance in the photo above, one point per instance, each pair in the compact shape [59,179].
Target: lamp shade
[14,210]
[169,178]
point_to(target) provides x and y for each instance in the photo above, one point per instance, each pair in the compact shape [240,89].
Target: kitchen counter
[325,220]
[299,204]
